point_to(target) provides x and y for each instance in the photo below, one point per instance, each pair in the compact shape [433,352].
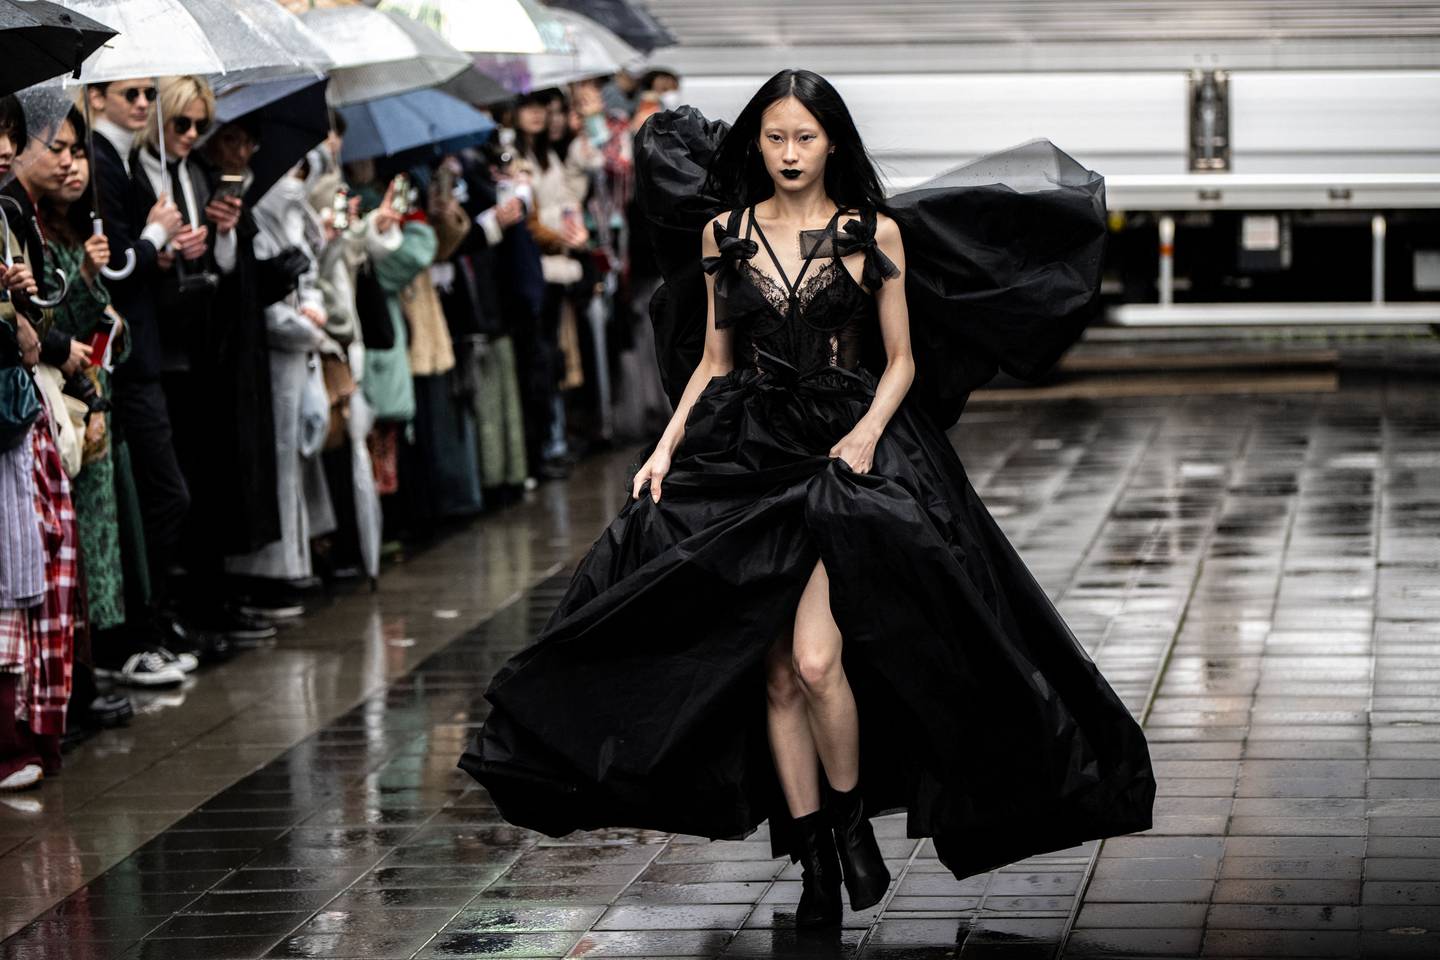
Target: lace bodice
[826,319]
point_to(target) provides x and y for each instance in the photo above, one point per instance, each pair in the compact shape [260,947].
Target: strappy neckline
[790,289]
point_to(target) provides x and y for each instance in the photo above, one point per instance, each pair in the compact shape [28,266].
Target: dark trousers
[537,359]
[142,418]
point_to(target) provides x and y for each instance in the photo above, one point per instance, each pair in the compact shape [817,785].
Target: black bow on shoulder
[732,248]
[860,236]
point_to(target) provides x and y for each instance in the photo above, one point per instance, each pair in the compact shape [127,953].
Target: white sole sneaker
[290,612]
[147,669]
[24,778]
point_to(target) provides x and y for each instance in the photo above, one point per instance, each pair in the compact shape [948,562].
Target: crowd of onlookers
[284,389]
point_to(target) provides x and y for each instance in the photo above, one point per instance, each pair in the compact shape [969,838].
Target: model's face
[793,144]
[182,131]
[126,103]
[7,155]
[46,165]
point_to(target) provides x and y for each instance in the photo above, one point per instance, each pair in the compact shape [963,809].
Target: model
[803,614]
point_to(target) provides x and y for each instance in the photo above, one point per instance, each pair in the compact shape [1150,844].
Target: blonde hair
[177,93]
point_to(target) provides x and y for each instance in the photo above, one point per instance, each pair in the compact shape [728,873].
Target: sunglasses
[133,94]
[183,124]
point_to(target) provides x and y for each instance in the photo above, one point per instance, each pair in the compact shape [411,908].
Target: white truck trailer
[1267,161]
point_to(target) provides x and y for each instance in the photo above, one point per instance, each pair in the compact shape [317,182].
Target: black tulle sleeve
[1003,258]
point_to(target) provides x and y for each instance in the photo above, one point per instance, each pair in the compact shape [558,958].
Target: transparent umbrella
[488,26]
[172,37]
[378,54]
[596,52]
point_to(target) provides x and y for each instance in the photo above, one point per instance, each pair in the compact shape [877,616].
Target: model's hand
[857,449]
[653,470]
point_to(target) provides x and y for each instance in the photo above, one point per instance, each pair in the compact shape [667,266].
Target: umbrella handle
[107,272]
[59,298]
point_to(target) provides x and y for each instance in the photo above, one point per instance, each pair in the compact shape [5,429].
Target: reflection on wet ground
[1259,577]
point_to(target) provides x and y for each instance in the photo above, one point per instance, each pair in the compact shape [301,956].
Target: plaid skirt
[50,657]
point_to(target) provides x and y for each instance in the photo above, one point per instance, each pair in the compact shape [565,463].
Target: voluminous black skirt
[642,704]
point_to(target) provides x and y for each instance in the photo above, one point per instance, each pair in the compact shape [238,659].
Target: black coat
[238,505]
[133,297]
[183,318]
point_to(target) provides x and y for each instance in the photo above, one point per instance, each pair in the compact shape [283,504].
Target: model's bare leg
[791,743]
[834,722]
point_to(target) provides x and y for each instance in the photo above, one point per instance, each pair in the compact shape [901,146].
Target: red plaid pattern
[52,624]
[12,637]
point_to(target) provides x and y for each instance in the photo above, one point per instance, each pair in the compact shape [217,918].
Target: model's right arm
[716,361]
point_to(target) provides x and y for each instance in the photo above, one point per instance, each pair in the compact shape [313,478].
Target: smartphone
[400,196]
[231,185]
[340,208]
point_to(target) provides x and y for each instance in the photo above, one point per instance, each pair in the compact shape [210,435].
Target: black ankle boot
[866,876]
[820,873]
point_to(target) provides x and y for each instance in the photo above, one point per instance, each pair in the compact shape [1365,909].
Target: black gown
[642,703]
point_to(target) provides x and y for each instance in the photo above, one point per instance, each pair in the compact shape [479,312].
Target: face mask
[670,99]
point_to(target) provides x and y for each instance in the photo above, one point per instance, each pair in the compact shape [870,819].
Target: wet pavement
[1258,577]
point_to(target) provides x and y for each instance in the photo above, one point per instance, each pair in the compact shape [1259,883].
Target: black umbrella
[41,40]
[629,22]
[290,117]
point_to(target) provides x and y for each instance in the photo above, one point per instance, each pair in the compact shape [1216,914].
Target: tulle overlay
[642,703]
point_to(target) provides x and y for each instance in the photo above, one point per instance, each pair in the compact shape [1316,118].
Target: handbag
[340,386]
[19,400]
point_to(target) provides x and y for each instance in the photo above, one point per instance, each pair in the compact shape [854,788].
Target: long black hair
[737,173]
[73,227]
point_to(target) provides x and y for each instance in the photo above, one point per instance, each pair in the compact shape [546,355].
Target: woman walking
[805,614]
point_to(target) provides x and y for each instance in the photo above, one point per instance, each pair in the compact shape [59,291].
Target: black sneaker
[245,627]
[207,646]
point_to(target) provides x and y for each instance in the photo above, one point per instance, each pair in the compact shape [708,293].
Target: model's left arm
[857,448]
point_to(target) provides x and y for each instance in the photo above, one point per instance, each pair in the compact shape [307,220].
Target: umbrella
[487,26]
[377,54]
[291,116]
[380,128]
[43,40]
[626,20]
[475,86]
[596,52]
[171,37]
[291,48]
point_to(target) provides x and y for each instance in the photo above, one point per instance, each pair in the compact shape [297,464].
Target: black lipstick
[790,174]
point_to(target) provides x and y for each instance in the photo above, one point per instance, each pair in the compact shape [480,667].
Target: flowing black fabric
[643,701]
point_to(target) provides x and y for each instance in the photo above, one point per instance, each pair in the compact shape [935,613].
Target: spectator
[141,655]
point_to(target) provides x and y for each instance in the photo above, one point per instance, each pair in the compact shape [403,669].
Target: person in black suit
[141,416]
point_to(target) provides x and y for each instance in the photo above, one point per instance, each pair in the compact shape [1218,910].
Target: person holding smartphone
[559,230]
